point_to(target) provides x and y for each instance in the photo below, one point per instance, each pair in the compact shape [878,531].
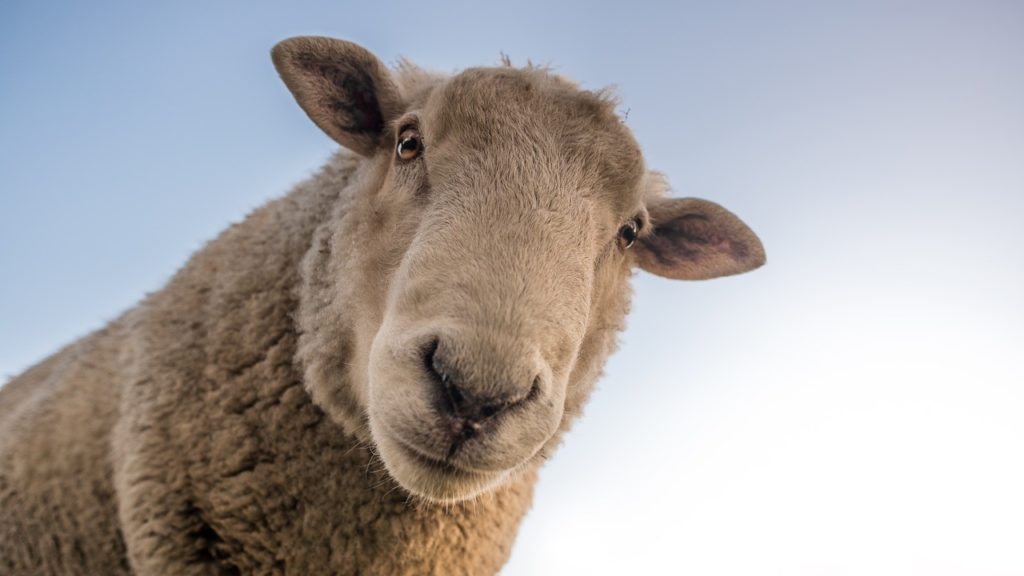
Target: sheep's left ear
[694,239]
[343,88]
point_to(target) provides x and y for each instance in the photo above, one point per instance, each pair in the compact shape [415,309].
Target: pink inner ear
[698,239]
[689,235]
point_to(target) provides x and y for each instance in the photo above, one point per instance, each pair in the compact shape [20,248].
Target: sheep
[363,376]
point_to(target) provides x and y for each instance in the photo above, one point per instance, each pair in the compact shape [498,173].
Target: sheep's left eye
[628,233]
[410,144]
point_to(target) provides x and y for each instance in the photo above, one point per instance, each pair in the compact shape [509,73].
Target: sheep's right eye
[628,233]
[410,145]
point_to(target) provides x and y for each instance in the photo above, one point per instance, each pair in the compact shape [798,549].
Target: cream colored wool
[363,376]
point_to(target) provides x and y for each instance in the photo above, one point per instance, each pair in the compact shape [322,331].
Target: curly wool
[180,439]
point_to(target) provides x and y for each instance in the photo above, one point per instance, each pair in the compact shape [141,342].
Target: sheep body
[183,430]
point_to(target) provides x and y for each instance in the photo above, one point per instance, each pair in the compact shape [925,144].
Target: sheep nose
[467,403]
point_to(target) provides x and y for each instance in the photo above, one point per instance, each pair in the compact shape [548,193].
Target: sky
[854,407]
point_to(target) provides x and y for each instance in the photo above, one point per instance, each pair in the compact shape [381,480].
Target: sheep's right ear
[693,239]
[343,88]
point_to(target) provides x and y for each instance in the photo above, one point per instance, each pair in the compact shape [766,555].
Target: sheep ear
[694,239]
[343,88]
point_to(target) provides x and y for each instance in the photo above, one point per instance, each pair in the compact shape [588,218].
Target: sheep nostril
[453,392]
[435,365]
[429,360]
[534,390]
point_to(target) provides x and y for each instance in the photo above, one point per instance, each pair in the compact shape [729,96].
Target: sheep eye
[410,144]
[628,233]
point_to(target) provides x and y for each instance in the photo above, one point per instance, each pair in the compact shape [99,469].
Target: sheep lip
[433,463]
[430,462]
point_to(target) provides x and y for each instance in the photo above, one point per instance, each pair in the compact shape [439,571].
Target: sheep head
[478,276]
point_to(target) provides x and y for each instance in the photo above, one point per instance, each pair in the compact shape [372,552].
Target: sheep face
[508,208]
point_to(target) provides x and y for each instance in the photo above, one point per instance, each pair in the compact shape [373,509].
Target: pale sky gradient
[854,408]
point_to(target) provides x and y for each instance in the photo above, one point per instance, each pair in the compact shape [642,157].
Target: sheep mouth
[427,461]
[433,478]
[436,464]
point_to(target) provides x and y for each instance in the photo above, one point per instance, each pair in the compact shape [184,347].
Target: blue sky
[852,408]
